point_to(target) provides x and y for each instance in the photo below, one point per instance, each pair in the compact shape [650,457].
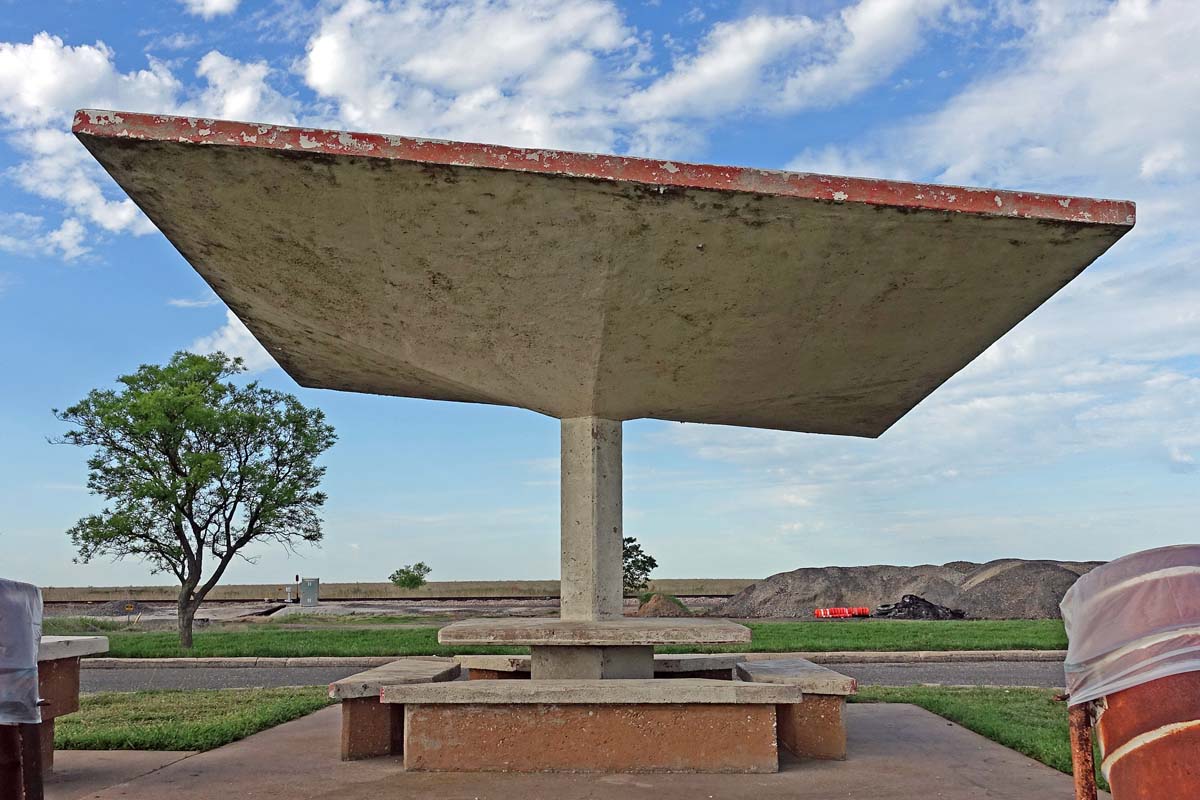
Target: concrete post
[591,577]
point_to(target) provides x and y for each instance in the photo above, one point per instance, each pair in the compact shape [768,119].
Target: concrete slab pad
[630,631]
[595,285]
[80,773]
[593,692]
[899,752]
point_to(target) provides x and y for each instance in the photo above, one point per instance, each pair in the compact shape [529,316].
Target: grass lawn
[1029,721]
[767,637]
[350,620]
[181,720]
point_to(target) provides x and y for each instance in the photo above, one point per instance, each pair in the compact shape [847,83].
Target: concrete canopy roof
[578,285]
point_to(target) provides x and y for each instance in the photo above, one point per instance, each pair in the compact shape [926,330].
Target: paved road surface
[996,673]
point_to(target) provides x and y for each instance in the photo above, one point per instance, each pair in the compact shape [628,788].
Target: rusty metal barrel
[1133,663]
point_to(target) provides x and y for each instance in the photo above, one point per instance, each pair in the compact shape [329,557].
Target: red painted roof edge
[655,172]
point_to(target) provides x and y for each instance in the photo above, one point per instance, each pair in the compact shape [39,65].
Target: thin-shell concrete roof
[576,284]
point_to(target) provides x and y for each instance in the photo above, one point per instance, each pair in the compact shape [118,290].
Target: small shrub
[410,576]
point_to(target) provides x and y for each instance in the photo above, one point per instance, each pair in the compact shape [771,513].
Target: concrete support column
[591,577]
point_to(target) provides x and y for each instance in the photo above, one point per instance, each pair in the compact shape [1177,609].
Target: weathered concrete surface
[812,678]
[80,773]
[575,738]
[58,689]
[405,670]
[551,631]
[591,520]
[815,728]
[897,752]
[51,648]
[371,729]
[582,285]
[593,692]
[592,663]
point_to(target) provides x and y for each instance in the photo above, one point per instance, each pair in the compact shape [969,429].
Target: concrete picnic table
[58,682]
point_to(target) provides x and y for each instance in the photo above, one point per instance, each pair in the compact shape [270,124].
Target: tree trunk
[187,615]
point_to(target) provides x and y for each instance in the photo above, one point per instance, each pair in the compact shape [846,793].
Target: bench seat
[815,728]
[613,725]
[369,728]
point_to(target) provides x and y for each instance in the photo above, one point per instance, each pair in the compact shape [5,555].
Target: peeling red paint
[830,188]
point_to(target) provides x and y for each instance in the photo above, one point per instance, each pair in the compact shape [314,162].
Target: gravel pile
[1004,589]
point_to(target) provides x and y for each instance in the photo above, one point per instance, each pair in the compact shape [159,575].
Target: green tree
[410,576]
[637,565]
[196,469]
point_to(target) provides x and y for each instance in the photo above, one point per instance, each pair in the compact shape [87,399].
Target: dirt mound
[118,608]
[1002,589]
[661,605]
[1017,590]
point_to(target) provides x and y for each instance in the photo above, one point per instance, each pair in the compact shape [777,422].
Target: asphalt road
[994,673]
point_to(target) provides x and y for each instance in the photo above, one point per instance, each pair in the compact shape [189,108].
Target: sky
[1076,436]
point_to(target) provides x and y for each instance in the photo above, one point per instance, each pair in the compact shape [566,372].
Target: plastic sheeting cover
[1132,621]
[20,632]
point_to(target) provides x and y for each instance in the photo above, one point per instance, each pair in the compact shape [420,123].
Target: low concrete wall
[434,590]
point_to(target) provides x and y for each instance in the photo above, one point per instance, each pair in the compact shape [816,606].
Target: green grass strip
[1029,721]
[774,637]
[199,719]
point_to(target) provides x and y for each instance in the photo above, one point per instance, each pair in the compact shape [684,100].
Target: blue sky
[1075,436]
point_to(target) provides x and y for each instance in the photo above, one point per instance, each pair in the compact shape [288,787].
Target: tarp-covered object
[1132,621]
[20,632]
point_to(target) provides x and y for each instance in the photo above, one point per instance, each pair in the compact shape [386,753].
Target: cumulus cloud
[240,90]
[43,81]
[210,8]
[235,339]
[1096,98]
[535,73]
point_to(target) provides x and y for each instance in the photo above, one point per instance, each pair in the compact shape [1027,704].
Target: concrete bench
[815,728]
[58,682]
[612,725]
[369,728]
[716,666]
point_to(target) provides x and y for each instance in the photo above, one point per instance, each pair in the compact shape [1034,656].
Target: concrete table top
[51,648]
[619,692]
[613,632]
[594,285]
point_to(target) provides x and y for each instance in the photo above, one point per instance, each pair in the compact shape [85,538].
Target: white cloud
[864,44]
[44,81]
[731,69]
[26,235]
[203,302]
[1097,99]
[239,90]
[536,73]
[41,84]
[210,8]
[235,339]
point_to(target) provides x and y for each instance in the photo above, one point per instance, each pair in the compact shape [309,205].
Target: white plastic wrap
[1133,620]
[20,632]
